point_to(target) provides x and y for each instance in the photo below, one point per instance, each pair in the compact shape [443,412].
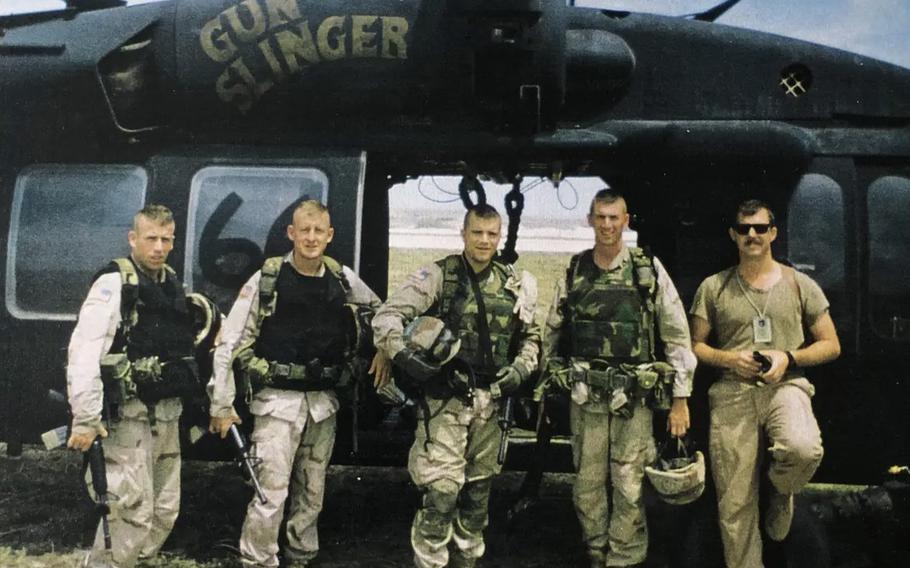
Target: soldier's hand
[82,437]
[678,420]
[779,364]
[744,365]
[381,369]
[222,424]
[415,364]
[508,381]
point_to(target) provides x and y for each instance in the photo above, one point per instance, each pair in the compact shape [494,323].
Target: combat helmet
[430,336]
[206,319]
[678,480]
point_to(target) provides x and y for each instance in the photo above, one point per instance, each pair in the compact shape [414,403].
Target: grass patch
[548,268]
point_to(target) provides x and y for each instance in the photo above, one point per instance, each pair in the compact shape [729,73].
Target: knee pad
[474,505]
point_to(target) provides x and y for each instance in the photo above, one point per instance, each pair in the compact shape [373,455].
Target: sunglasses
[760,228]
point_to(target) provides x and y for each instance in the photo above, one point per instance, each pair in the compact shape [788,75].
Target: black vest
[310,320]
[164,326]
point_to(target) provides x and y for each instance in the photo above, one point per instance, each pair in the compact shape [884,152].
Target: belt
[298,372]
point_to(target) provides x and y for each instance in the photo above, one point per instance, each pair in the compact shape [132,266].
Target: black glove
[416,364]
[508,380]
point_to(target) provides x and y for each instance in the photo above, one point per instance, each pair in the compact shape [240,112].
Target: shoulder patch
[105,294]
[421,275]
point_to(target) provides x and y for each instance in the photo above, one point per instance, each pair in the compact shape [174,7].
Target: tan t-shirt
[794,304]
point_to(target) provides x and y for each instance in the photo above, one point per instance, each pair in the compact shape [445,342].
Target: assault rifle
[247,461]
[99,485]
[506,412]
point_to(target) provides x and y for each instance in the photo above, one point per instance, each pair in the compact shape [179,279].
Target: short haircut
[481,211]
[155,213]
[311,206]
[751,207]
[607,196]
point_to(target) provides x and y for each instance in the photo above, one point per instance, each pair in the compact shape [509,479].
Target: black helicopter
[230,111]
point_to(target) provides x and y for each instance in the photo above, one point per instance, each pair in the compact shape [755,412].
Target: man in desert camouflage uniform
[599,345]
[294,332]
[136,316]
[490,308]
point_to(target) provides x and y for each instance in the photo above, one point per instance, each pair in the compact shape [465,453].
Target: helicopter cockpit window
[66,223]
[815,238]
[889,256]
[238,216]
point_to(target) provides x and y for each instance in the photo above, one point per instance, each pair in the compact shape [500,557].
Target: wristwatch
[791,361]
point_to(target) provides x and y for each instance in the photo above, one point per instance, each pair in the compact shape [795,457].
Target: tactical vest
[458,308]
[155,339]
[610,314]
[307,321]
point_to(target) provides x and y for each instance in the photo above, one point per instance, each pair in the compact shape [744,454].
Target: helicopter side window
[815,238]
[67,221]
[237,217]
[889,256]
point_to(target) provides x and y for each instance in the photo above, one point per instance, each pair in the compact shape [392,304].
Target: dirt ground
[46,517]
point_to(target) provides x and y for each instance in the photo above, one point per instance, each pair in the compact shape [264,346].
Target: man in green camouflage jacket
[599,345]
[490,308]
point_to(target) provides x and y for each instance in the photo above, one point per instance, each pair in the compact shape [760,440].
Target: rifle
[506,412]
[99,484]
[247,461]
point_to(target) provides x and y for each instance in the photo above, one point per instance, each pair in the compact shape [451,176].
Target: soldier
[760,305]
[599,345]
[490,308]
[131,354]
[294,332]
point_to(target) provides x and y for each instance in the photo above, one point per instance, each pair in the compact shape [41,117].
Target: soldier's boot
[432,527]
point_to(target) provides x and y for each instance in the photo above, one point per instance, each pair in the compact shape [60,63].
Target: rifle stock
[247,461]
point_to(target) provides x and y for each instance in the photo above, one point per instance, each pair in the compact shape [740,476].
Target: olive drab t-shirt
[794,304]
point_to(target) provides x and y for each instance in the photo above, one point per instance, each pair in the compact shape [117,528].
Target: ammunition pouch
[312,376]
[147,378]
[624,385]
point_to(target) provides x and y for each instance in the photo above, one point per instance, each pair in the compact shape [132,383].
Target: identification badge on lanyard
[761,329]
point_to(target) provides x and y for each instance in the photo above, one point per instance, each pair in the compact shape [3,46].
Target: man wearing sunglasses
[759,311]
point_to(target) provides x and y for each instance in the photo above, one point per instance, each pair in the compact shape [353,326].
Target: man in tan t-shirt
[760,305]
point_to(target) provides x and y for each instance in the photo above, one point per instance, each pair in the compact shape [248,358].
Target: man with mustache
[760,305]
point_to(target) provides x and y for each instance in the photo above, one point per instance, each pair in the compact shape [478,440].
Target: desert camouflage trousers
[454,469]
[294,457]
[746,420]
[609,450]
[143,479]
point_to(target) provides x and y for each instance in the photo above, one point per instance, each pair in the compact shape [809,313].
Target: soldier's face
[310,232]
[608,221]
[150,243]
[481,238]
[754,244]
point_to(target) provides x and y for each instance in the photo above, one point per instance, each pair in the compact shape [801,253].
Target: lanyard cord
[761,313]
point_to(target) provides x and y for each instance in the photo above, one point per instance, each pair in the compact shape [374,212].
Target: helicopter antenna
[712,14]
